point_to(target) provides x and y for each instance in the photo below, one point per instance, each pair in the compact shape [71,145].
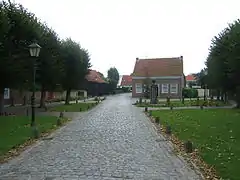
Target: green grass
[73,107]
[185,104]
[16,130]
[215,132]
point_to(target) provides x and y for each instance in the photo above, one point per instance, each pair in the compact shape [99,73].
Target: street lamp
[34,50]
[205,88]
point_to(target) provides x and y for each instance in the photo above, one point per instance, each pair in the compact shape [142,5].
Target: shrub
[190,93]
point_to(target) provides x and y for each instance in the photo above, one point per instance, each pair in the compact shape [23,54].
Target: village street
[114,140]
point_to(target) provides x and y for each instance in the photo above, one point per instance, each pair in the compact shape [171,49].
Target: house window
[138,88]
[164,88]
[174,88]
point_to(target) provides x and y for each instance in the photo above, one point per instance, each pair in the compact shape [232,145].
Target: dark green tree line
[223,62]
[60,63]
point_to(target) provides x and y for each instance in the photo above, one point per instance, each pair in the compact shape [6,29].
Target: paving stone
[115,140]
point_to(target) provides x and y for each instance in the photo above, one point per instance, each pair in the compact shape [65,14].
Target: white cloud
[117,31]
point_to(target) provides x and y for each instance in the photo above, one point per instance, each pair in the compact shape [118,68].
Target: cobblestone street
[115,140]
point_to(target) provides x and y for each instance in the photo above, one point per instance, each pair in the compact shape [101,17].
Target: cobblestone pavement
[115,140]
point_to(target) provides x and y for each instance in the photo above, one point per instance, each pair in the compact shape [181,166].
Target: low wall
[201,92]
[18,97]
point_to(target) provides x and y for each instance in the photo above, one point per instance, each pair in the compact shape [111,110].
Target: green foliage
[60,65]
[190,93]
[73,107]
[76,65]
[18,28]
[113,78]
[187,103]
[223,61]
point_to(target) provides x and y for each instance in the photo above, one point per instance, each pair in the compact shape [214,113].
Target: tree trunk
[218,95]
[222,96]
[24,100]
[43,97]
[237,97]
[225,97]
[1,100]
[68,93]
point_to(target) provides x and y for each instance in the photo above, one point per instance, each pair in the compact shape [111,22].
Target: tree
[113,78]
[18,28]
[62,63]
[50,66]
[102,76]
[223,62]
[76,65]
[201,78]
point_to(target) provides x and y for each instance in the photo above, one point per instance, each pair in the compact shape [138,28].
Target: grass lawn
[186,103]
[16,130]
[74,107]
[215,132]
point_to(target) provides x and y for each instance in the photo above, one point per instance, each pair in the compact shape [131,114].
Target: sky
[116,32]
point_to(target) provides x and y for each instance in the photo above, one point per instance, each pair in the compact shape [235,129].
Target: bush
[190,93]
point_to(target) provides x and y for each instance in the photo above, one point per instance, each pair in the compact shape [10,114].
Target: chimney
[181,59]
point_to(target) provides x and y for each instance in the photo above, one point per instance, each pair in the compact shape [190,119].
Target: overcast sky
[117,31]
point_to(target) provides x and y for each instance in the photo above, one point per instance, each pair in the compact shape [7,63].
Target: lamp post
[34,52]
[205,86]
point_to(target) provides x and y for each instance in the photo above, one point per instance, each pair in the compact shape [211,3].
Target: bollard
[59,123]
[188,147]
[146,109]
[157,120]
[168,130]
[61,115]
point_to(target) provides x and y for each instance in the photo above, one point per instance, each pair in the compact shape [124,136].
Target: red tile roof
[159,67]
[94,76]
[190,77]
[126,80]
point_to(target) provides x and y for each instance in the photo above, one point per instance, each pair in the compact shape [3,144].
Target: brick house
[191,80]
[94,84]
[126,81]
[168,73]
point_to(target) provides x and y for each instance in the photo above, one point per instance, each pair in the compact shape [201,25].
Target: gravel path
[115,140]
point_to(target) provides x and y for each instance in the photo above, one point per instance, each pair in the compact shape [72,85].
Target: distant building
[167,72]
[191,80]
[126,81]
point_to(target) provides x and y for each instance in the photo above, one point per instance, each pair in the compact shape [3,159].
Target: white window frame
[175,86]
[164,88]
[138,88]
